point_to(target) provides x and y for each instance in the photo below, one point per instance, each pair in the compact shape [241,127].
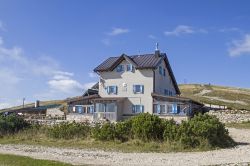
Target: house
[129,85]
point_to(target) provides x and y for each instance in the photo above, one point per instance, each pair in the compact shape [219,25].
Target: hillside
[42,103]
[235,98]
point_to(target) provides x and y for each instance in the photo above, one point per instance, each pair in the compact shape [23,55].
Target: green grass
[13,160]
[243,125]
[227,93]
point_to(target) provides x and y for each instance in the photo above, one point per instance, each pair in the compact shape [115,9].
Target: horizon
[48,52]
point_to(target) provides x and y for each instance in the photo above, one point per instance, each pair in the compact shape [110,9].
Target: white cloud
[1,40]
[38,78]
[151,36]
[184,29]
[88,85]
[118,31]
[240,47]
[65,85]
[106,42]
[232,29]
[2,26]
[92,75]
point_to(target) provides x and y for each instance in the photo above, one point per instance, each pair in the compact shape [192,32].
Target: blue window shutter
[142,89]
[108,90]
[158,109]
[164,72]
[133,109]
[134,90]
[160,70]
[116,89]
[141,108]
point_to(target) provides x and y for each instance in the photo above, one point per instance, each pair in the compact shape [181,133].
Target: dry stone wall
[231,116]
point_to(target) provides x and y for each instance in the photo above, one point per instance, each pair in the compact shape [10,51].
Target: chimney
[37,104]
[157,51]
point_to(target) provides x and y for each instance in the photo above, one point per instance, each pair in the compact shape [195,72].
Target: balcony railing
[111,116]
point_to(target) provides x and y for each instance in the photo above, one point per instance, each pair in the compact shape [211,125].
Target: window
[136,109]
[138,89]
[160,108]
[79,109]
[166,92]
[119,68]
[160,70]
[112,90]
[90,110]
[164,72]
[108,107]
[130,67]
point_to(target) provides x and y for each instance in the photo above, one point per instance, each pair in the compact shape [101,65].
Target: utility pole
[23,102]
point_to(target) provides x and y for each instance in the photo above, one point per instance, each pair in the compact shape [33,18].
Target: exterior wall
[53,112]
[178,119]
[163,82]
[138,77]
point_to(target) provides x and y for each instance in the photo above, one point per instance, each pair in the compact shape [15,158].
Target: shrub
[202,130]
[105,132]
[11,124]
[69,130]
[123,130]
[147,127]
[170,130]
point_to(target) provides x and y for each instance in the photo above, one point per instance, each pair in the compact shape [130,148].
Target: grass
[227,93]
[39,138]
[13,160]
[243,125]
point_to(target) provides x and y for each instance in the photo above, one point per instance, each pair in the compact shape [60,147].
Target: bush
[170,130]
[105,132]
[69,130]
[202,130]
[147,127]
[11,124]
[123,130]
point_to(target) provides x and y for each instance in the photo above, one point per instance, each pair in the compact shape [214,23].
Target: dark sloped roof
[145,61]
[139,61]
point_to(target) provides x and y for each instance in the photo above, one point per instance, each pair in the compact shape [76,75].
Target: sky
[49,48]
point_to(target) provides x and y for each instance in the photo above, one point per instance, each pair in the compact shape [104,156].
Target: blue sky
[48,49]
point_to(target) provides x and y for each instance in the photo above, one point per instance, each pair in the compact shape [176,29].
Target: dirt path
[238,155]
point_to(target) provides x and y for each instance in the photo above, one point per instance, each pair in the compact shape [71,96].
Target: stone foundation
[231,116]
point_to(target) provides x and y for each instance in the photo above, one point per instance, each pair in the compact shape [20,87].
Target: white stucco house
[129,85]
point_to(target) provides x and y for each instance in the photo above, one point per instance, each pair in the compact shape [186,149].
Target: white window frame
[137,109]
[141,89]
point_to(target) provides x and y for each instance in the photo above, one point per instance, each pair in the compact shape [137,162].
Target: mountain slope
[235,98]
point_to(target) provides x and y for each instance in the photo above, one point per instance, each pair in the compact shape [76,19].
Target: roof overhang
[174,99]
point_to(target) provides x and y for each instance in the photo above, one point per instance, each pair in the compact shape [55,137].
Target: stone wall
[231,116]
[79,117]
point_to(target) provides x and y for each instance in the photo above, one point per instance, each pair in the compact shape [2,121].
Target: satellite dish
[124,85]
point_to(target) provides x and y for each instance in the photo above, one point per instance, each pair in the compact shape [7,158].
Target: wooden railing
[111,116]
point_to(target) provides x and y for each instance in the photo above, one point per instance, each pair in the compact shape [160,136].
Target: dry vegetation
[235,98]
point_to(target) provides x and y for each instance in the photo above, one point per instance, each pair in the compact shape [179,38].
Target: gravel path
[239,155]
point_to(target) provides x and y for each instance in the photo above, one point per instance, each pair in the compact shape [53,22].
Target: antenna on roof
[157,46]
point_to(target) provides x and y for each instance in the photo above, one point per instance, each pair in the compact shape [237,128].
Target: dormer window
[130,67]
[119,68]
